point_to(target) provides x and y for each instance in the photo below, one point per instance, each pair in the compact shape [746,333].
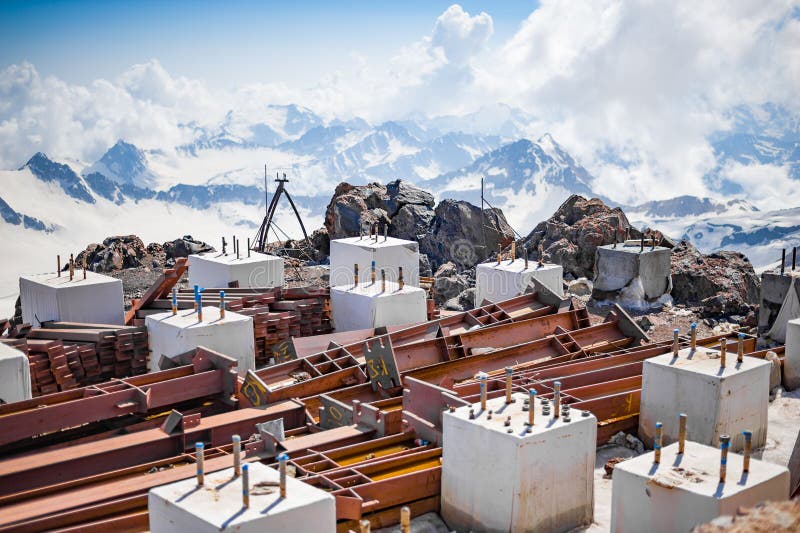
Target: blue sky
[223,43]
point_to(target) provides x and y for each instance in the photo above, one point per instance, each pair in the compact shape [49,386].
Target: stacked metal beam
[67,355]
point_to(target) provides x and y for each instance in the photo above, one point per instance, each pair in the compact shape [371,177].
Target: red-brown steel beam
[54,466]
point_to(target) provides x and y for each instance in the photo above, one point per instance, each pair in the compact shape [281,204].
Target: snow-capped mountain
[124,163]
[527,179]
[267,127]
[62,175]
[685,206]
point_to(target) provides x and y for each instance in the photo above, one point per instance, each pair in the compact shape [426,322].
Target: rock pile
[128,251]
[571,236]
[451,232]
[723,283]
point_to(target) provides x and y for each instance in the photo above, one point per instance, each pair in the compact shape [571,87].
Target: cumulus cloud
[634,89]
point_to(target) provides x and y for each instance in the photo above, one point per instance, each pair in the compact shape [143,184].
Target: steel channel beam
[30,471]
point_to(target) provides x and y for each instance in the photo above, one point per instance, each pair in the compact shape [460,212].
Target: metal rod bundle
[237,455]
[196,295]
[499,258]
[723,351]
[405,519]
[84,266]
[199,307]
[282,460]
[531,406]
[526,257]
[740,351]
[748,447]
[694,336]
[71,267]
[222,304]
[385,232]
[400,281]
[58,262]
[556,399]
[783,261]
[355,274]
[681,432]
[383,280]
[724,444]
[174,301]
[246,486]
[372,273]
[794,257]
[248,247]
[657,443]
[509,373]
[513,251]
[224,247]
[675,333]
[482,377]
[199,453]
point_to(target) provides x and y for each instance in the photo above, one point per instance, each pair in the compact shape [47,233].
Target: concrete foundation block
[774,288]
[498,282]
[502,478]
[388,254]
[791,363]
[716,400]
[616,267]
[217,505]
[170,335]
[684,490]
[214,270]
[15,375]
[368,306]
[97,299]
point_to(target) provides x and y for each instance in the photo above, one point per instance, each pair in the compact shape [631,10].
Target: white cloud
[765,184]
[646,82]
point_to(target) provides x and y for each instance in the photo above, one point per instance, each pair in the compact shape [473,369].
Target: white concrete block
[367,306]
[214,270]
[388,254]
[217,505]
[493,480]
[170,335]
[496,283]
[97,299]
[684,490]
[791,363]
[15,375]
[716,400]
[616,267]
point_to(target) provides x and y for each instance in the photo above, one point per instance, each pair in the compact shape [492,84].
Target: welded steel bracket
[283,351]
[546,296]
[255,390]
[333,413]
[627,325]
[381,364]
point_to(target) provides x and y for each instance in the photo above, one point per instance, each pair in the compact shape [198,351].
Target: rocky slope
[452,231]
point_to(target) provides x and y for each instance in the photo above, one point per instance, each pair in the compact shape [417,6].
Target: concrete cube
[97,299]
[502,478]
[616,267]
[217,505]
[684,490]
[498,282]
[716,400]
[388,254]
[15,375]
[791,363]
[367,306]
[170,335]
[215,270]
[774,290]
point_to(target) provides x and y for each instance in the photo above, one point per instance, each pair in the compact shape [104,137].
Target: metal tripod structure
[262,237]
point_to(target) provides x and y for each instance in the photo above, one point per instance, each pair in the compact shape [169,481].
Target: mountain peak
[124,163]
[48,170]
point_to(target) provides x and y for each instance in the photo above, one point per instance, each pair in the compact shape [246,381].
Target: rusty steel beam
[54,466]
[210,374]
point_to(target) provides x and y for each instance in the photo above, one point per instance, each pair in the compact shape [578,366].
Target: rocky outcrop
[448,283]
[456,235]
[723,283]
[451,232]
[571,236]
[375,203]
[114,253]
[128,251]
[184,247]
